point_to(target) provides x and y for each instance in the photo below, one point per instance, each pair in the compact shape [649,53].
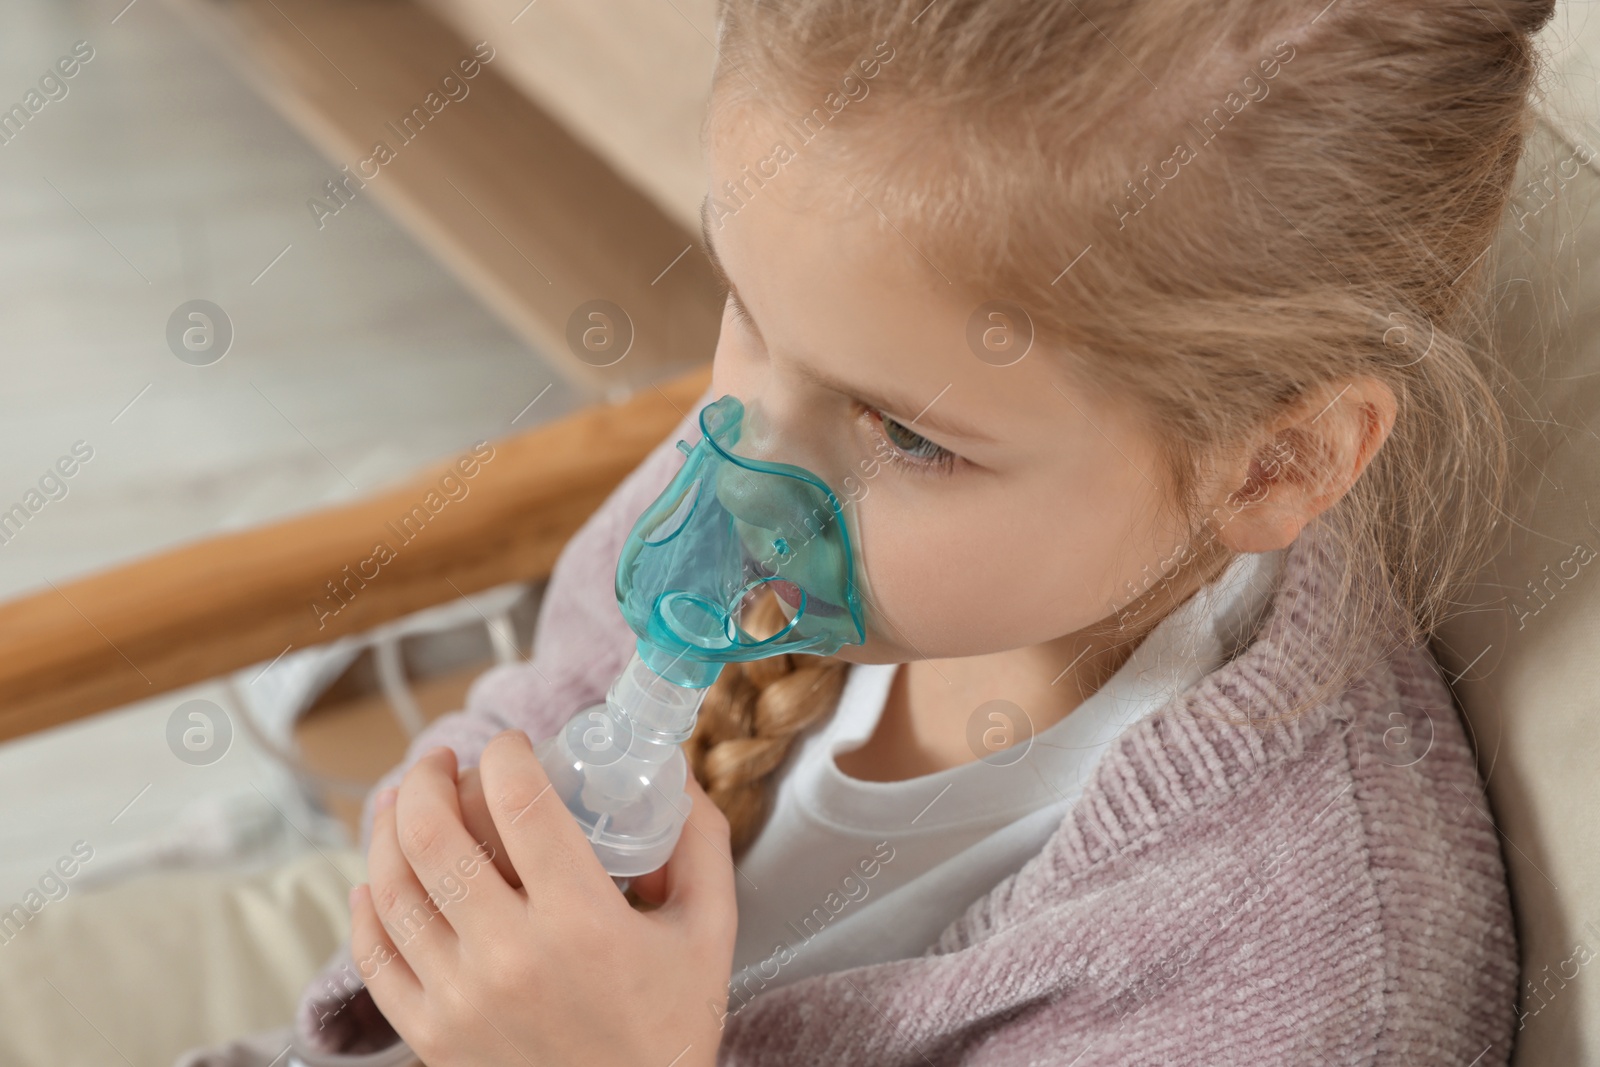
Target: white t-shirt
[847,872]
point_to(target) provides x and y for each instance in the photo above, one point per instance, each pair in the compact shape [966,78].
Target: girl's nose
[787,508]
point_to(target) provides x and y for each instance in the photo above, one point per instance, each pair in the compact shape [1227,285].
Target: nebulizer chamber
[730,530]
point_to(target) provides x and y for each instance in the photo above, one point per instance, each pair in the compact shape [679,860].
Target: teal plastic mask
[728,531]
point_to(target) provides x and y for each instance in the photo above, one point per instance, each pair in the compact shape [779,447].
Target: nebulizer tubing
[727,531]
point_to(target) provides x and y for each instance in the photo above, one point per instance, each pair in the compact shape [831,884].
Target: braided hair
[750,718]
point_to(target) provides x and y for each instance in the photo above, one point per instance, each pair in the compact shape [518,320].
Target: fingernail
[356,893]
[384,800]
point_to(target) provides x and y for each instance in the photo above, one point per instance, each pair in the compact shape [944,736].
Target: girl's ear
[1310,457]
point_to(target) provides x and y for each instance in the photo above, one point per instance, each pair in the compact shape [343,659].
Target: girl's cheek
[913,575]
[953,589]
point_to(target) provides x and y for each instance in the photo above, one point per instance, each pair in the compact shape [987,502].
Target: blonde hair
[1190,232]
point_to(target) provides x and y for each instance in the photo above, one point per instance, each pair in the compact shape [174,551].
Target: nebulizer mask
[729,531]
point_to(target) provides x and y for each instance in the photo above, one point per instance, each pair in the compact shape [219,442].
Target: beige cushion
[1529,656]
[146,969]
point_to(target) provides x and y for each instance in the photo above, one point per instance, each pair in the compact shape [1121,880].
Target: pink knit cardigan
[1231,889]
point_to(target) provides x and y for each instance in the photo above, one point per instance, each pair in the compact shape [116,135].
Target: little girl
[1149,330]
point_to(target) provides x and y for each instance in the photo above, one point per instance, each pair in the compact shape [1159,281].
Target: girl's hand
[562,971]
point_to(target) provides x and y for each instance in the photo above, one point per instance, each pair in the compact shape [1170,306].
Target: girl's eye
[911,447]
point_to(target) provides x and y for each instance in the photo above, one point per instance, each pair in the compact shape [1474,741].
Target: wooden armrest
[201,610]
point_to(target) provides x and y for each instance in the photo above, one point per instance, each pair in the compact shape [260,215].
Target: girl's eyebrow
[939,422]
[927,414]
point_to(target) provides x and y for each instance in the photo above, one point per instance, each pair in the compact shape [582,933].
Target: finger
[385,972]
[699,887]
[541,837]
[414,924]
[456,871]
[651,888]
[475,816]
